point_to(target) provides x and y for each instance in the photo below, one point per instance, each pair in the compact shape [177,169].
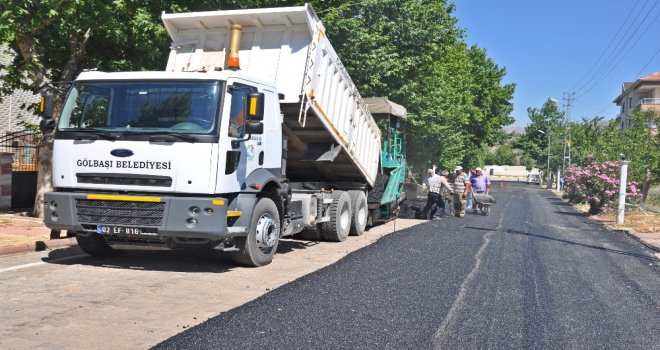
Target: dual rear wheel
[339,226]
[348,216]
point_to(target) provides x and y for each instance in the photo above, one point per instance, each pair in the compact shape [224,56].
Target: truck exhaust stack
[233,61]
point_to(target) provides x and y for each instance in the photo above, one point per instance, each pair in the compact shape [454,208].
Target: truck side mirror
[255,106]
[47,105]
[256,128]
[46,109]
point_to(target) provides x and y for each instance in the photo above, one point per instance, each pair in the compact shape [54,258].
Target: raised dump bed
[331,134]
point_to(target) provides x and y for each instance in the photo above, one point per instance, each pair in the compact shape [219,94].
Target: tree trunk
[38,76]
[44,177]
[647,185]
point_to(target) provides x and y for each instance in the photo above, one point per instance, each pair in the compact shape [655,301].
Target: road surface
[534,274]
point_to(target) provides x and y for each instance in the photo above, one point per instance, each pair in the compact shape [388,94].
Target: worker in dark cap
[436,185]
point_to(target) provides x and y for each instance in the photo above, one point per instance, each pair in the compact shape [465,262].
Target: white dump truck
[253,132]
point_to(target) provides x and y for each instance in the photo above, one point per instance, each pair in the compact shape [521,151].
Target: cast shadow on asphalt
[204,261]
[558,201]
[571,213]
[608,250]
[564,241]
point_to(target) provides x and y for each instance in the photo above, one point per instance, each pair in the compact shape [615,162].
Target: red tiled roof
[651,79]
[654,76]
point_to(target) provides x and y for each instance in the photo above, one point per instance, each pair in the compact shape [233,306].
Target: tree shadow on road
[571,213]
[608,250]
[205,261]
[559,201]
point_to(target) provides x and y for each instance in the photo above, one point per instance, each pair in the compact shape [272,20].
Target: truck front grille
[119,212]
[125,179]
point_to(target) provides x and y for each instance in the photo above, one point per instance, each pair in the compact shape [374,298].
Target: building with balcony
[642,94]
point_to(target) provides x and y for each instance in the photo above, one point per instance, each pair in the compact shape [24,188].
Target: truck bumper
[155,217]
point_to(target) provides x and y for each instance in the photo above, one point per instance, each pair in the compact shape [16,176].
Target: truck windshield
[143,107]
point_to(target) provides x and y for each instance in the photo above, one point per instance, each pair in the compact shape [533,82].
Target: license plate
[125,231]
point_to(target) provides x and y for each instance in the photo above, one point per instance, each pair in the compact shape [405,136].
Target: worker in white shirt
[437,185]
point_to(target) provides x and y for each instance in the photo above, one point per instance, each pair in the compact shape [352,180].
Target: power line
[607,47]
[625,54]
[647,63]
[639,74]
[620,40]
[606,66]
[624,39]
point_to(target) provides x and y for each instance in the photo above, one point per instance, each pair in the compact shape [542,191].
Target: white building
[11,113]
[642,94]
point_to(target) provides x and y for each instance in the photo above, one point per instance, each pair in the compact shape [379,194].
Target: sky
[550,48]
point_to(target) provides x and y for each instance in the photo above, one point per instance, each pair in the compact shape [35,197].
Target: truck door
[242,157]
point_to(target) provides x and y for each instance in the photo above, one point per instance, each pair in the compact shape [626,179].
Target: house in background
[21,143]
[644,93]
[11,113]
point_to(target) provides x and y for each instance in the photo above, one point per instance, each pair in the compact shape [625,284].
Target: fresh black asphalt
[533,274]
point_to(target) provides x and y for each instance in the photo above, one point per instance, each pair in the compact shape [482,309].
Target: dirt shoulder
[138,299]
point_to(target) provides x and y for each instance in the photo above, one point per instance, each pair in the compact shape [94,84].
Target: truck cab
[166,154]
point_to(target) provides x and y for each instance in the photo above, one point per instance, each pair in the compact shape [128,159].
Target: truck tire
[259,246]
[337,229]
[94,245]
[360,212]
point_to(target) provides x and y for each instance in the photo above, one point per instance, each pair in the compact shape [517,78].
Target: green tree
[412,52]
[544,131]
[595,140]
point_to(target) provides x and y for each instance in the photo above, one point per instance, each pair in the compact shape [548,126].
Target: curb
[630,233]
[639,239]
[38,246]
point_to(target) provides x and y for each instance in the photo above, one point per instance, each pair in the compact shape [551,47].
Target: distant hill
[515,129]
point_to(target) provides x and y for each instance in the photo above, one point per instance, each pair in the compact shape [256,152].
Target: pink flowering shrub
[598,185]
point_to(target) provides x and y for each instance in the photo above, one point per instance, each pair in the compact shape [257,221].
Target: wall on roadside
[5,180]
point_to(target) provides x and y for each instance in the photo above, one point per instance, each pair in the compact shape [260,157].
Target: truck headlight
[194,211]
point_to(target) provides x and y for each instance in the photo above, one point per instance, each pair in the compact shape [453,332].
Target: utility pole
[548,146]
[568,98]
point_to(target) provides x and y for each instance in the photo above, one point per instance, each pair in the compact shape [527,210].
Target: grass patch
[634,219]
[653,200]
[637,220]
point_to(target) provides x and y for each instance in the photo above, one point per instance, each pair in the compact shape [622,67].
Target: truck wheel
[360,212]
[337,229]
[258,248]
[94,245]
